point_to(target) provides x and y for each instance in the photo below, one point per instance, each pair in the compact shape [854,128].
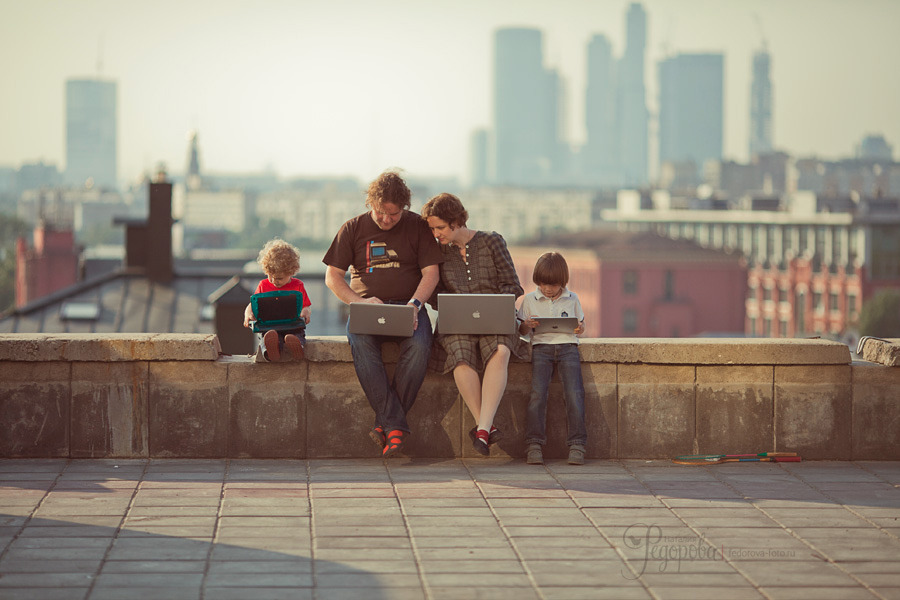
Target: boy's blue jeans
[568,362]
[392,399]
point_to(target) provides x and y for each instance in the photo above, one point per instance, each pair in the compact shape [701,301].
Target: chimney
[148,242]
[159,233]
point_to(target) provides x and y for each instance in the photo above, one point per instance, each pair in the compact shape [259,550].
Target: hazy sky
[338,87]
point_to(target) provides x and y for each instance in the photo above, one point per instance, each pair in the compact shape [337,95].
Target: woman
[475,262]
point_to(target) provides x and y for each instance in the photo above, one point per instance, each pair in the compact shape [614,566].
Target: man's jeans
[568,362]
[391,400]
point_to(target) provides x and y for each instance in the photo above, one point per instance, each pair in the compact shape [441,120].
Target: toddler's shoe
[295,345]
[270,341]
[576,454]
[535,455]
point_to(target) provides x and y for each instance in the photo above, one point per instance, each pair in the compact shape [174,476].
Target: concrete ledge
[715,351]
[884,352]
[663,351]
[107,347]
[136,396]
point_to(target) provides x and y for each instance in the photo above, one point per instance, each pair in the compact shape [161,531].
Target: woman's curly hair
[388,187]
[279,257]
[448,208]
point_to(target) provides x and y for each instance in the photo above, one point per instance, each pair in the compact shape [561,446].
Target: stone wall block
[189,409]
[876,412]
[268,412]
[435,420]
[34,409]
[601,409]
[338,416]
[734,409]
[110,410]
[812,411]
[882,351]
[656,411]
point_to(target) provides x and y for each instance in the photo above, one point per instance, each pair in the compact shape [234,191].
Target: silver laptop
[382,319]
[477,313]
[556,324]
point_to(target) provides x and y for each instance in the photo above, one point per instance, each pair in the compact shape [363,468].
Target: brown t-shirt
[384,264]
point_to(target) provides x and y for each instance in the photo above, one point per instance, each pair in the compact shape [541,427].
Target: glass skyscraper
[691,108]
[526,110]
[91,133]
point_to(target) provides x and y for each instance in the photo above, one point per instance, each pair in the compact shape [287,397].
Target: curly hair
[446,207]
[551,269]
[279,257]
[388,187]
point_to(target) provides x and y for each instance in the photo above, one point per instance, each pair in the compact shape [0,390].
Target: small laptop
[382,319]
[556,325]
[477,313]
[278,310]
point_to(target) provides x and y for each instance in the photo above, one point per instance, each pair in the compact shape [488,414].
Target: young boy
[280,261]
[552,299]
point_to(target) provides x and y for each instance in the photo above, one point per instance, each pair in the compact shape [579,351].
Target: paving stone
[258,593]
[153,566]
[817,592]
[299,579]
[150,580]
[142,593]
[595,593]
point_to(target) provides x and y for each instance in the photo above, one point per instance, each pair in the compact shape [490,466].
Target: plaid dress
[488,269]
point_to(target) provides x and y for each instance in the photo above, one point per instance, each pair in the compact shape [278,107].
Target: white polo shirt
[537,304]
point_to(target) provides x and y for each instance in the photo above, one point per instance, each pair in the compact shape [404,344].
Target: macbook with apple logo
[477,313]
[382,319]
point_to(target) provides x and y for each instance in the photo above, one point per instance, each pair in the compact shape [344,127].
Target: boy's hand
[531,322]
[580,329]
[304,314]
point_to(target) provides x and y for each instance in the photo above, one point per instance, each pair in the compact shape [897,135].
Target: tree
[10,229]
[880,316]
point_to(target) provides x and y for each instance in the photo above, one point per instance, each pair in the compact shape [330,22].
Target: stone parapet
[177,396]
[882,351]
[108,347]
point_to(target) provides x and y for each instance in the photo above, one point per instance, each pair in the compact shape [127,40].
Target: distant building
[50,265]
[875,147]
[645,285]
[523,213]
[632,116]
[91,147]
[32,176]
[813,260]
[691,109]
[526,110]
[599,156]
[761,105]
[867,177]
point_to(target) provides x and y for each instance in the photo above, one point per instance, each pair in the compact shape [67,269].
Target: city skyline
[343,88]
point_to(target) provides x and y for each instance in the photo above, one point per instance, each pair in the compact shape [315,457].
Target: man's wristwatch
[416,302]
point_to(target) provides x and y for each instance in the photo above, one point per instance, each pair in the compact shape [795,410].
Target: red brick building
[51,265]
[645,285]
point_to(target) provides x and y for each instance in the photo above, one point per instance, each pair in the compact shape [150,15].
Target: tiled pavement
[469,529]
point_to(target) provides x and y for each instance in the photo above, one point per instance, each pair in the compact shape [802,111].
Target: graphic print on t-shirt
[379,256]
